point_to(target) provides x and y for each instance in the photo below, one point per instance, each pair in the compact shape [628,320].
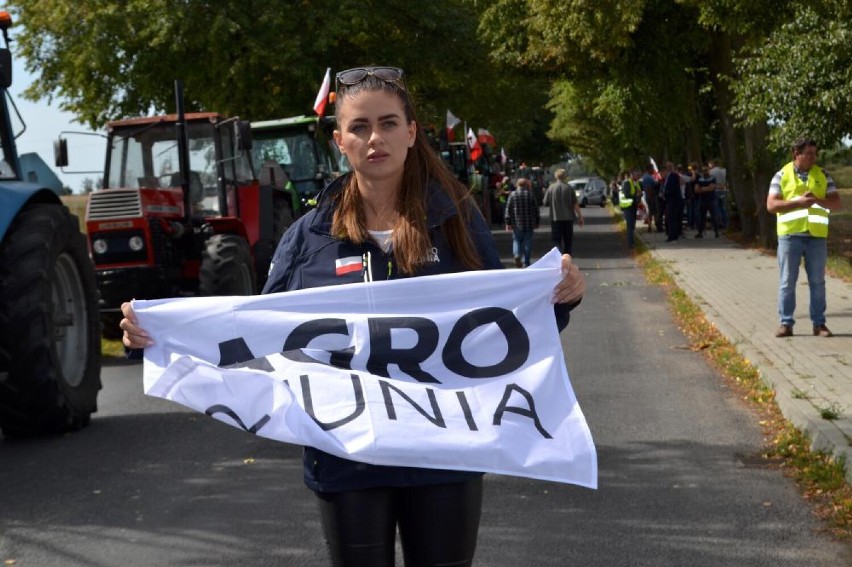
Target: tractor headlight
[99,246]
[136,243]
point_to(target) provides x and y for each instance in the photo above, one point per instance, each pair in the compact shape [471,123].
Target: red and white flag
[486,137]
[322,95]
[452,120]
[656,175]
[473,144]
[346,265]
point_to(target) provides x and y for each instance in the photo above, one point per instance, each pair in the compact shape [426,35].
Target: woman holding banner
[401,213]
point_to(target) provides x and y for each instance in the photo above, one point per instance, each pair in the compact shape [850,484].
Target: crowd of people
[801,195]
[516,204]
[677,197]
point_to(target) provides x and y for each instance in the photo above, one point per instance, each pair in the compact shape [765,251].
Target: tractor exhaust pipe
[183,148]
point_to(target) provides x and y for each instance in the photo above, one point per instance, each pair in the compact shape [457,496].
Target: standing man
[720,174]
[629,203]
[801,195]
[522,218]
[651,188]
[673,202]
[564,210]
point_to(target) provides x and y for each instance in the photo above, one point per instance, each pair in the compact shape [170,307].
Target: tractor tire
[50,349]
[226,267]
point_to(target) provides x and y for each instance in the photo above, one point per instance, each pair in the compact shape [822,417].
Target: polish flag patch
[346,265]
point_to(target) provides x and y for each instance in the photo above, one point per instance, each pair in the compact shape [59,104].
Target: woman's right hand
[134,336]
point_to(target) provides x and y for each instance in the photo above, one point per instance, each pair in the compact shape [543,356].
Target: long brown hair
[422,169]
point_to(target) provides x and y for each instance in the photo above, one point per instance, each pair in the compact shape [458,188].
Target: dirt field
[77,206]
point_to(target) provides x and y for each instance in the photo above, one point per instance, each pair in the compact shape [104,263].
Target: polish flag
[656,176]
[473,144]
[452,122]
[346,265]
[486,137]
[322,95]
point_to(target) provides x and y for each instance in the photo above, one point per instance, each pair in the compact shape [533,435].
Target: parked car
[589,190]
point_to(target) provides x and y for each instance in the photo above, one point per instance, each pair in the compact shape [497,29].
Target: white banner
[460,371]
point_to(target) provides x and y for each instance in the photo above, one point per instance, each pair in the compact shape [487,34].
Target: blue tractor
[50,354]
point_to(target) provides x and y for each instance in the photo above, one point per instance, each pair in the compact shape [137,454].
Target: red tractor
[182,211]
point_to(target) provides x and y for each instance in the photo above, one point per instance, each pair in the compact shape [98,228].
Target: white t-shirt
[383,238]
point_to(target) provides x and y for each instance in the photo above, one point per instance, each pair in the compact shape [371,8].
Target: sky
[44,122]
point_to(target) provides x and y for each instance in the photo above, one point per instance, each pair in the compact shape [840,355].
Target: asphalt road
[149,483]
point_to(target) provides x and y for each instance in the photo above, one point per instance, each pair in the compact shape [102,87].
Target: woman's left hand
[573,284]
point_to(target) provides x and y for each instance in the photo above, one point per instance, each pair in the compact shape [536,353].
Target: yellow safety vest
[814,219]
[627,203]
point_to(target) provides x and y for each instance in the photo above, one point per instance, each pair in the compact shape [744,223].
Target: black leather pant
[438,524]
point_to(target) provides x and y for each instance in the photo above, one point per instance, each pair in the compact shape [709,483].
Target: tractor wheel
[226,266]
[50,349]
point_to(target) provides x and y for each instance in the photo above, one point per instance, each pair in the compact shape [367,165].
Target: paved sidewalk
[737,289]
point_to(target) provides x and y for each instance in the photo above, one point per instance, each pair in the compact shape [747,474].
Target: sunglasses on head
[357,75]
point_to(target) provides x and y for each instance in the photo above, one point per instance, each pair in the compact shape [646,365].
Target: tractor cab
[182,211]
[144,154]
[303,146]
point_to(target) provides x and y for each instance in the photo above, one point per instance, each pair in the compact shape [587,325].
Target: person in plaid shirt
[522,218]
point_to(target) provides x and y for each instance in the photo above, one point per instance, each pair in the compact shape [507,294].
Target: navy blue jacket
[305,258]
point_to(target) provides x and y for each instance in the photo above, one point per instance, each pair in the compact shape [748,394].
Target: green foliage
[258,59]
[626,75]
[799,77]
[616,80]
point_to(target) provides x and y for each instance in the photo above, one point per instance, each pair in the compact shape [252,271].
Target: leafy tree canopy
[799,78]
[259,59]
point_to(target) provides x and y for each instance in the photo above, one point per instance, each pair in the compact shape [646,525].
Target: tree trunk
[744,149]
[761,176]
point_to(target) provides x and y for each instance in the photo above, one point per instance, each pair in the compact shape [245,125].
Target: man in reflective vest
[801,195]
[629,203]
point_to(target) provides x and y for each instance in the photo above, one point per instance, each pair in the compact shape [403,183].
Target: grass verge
[111,348]
[819,475]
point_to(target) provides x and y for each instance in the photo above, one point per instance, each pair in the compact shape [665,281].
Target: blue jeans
[791,249]
[721,211]
[630,221]
[522,244]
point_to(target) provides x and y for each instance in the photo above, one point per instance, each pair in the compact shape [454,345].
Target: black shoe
[699,235]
